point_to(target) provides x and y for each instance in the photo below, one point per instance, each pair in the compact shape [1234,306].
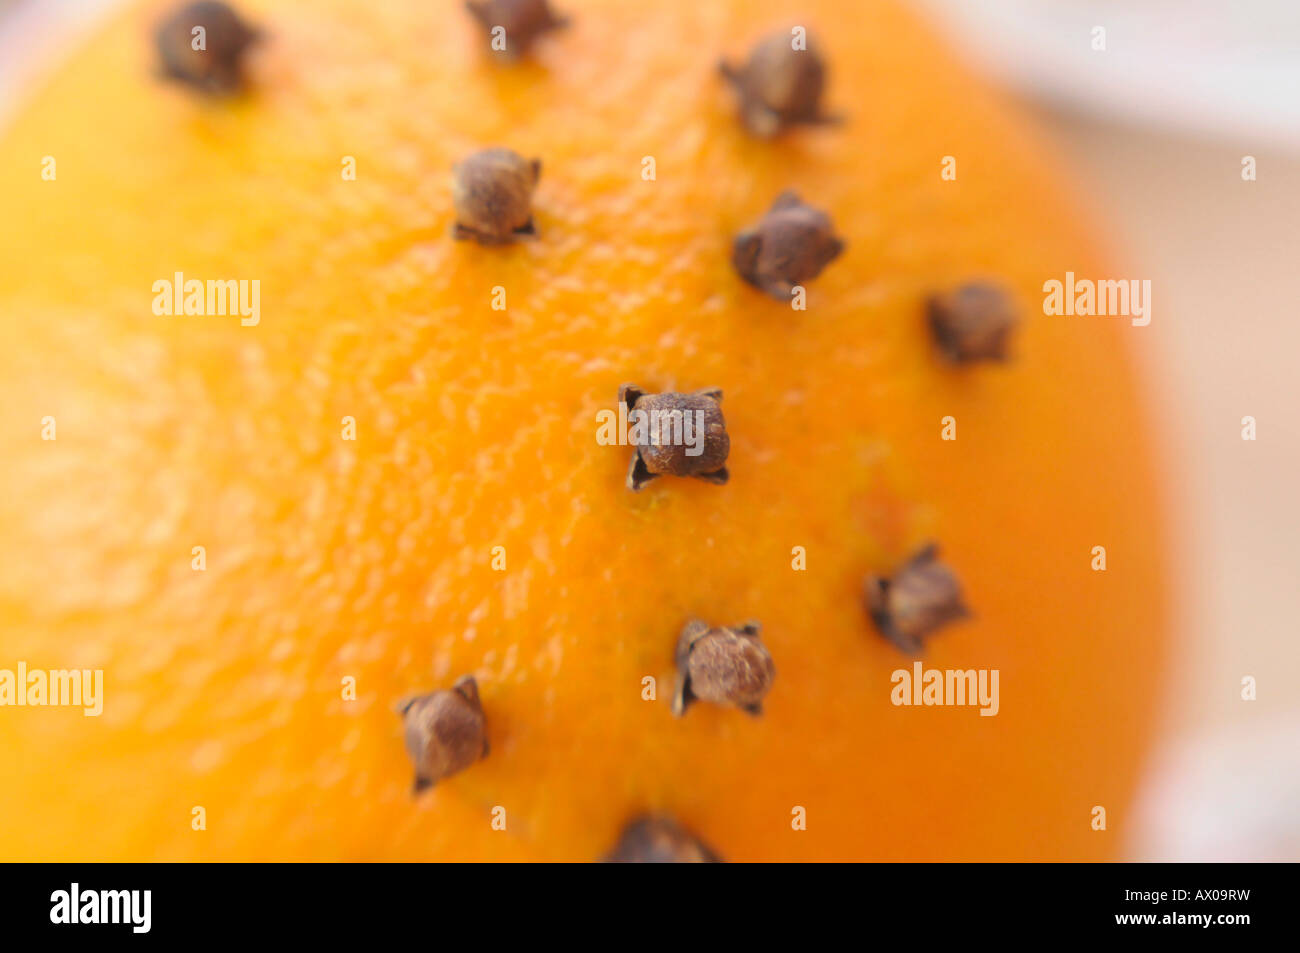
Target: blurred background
[1154,126]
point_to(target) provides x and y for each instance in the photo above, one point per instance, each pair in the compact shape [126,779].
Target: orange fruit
[329,559]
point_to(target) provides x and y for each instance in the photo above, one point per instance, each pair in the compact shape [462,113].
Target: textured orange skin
[476,428]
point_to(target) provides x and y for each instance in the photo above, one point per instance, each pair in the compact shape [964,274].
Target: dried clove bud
[972,322]
[680,434]
[918,599]
[726,666]
[522,21]
[659,840]
[210,59]
[445,732]
[791,244]
[779,86]
[493,196]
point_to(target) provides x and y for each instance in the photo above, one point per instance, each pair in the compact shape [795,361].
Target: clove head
[972,322]
[788,246]
[724,665]
[655,839]
[492,193]
[445,731]
[216,67]
[522,20]
[779,86]
[920,598]
[677,434]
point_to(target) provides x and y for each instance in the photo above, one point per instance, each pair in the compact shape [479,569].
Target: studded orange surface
[329,559]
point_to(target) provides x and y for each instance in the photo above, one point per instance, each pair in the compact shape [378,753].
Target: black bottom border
[333,902]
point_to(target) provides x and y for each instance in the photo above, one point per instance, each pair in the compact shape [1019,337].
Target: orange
[371,559]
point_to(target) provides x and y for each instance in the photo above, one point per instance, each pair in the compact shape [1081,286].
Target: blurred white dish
[1230,68]
[33,34]
[1230,796]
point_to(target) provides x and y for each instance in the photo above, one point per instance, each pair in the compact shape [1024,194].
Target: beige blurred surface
[1223,255]
[1155,121]
[1155,124]
[1224,343]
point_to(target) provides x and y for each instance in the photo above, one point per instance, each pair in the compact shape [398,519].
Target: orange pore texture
[371,559]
